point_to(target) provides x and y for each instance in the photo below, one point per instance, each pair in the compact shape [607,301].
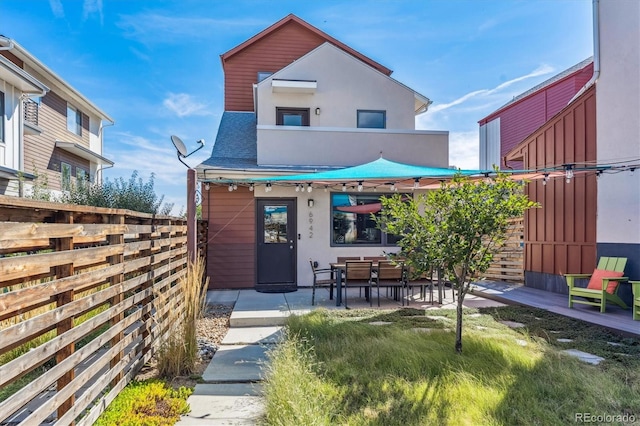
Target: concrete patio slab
[222,297]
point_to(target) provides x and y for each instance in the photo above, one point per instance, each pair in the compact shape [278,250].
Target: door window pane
[275,224]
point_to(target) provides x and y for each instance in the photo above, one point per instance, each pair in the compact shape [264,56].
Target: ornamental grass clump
[178,351]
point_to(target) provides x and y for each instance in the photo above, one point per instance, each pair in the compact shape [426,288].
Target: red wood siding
[271,53]
[231,237]
[560,237]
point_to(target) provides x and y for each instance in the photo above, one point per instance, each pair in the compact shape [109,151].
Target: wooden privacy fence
[78,308]
[508,262]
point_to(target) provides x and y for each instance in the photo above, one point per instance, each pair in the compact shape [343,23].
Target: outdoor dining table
[339,267]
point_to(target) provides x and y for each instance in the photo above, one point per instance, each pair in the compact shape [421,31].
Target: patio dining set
[374,272]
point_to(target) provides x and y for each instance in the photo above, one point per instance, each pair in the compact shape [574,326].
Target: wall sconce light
[317,111]
[310,202]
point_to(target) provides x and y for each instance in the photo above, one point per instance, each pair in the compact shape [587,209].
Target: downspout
[102,126]
[596,50]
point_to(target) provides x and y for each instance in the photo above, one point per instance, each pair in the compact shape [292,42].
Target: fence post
[64,298]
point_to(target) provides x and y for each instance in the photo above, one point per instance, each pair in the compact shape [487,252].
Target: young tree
[457,227]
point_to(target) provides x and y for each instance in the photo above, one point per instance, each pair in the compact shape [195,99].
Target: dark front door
[276,227]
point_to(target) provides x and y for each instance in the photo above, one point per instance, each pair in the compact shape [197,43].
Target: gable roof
[421,101]
[291,18]
[569,72]
[55,80]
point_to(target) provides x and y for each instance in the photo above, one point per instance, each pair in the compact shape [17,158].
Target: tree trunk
[459,324]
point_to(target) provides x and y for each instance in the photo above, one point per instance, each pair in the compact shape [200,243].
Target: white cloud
[90,7]
[184,105]
[541,70]
[57,8]
[463,150]
[147,26]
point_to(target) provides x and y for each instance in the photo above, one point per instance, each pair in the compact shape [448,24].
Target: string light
[251,187]
[545,179]
[360,187]
[325,188]
[568,173]
[235,186]
[392,187]
[267,188]
[230,187]
[207,186]
[309,187]
[416,183]
[344,187]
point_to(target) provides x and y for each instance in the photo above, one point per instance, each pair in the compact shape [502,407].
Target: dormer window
[292,116]
[263,74]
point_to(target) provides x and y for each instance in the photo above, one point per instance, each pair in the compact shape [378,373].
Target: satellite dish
[180,147]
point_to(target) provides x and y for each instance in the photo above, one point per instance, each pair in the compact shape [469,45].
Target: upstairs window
[292,116]
[74,120]
[372,119]
[263,74]
[1,117]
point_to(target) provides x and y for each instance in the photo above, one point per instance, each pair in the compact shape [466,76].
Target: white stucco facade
[618,121]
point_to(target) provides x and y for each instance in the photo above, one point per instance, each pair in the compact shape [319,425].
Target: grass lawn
[338,368]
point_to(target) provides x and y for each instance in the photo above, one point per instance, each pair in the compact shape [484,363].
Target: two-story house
[297,100]
[48,130]
[596,138]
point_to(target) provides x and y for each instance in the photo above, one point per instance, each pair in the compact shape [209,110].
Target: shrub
[149,403]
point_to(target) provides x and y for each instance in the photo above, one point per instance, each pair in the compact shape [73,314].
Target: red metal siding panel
[231,238]
[560,237]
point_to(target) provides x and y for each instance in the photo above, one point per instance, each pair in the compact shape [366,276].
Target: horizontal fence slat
[25,231]
[38,385]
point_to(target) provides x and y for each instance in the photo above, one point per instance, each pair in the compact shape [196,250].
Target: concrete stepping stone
[236,364]
[474,315]
[253,335]
[584,356]
[512,324]
[380,323]
[422,330]
[565,340]
[614,344]
[438,318]
[224,404]
[481,327]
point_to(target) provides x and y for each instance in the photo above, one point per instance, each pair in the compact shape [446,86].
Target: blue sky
[154,66]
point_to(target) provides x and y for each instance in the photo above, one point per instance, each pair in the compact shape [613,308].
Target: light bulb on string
[344,187]
[360,187]
[230,187]
[416,183]
[309,188]
[250,187]
[545,179]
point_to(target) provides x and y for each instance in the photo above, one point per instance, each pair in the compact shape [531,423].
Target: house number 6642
[310,225]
